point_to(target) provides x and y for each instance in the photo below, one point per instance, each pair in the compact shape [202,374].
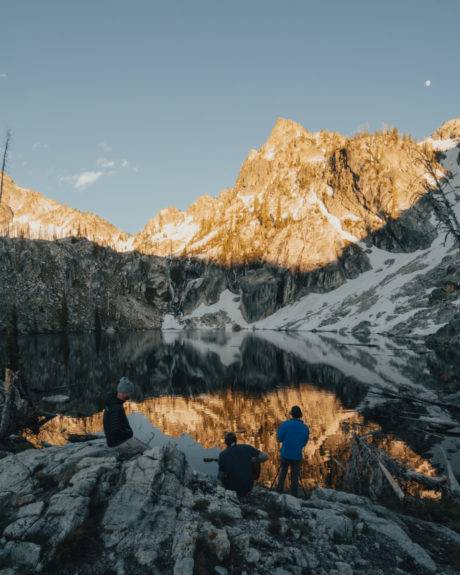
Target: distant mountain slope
[320,231]
[414,292]
[29,214]
[408,275]
[298,202]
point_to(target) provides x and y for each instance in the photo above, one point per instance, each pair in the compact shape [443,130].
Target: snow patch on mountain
[247,200]
[334,221]
[377,296]
[269,153]
[441,145]
[179,232]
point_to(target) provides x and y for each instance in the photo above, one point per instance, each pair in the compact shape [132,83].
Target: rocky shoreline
[81,509]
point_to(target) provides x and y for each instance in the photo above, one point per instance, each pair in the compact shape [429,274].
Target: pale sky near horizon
[126,107]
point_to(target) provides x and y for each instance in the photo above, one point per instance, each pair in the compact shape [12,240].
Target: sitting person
[293,435]
[117,429]
[236,465]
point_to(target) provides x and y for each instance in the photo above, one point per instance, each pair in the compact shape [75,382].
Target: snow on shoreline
[228,302]
[347,303]
[382,296]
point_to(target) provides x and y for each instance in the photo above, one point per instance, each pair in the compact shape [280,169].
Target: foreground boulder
[82,509]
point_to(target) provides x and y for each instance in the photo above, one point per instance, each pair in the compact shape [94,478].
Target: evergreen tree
[12,343]
[97,320]
[97,328]
[64,315]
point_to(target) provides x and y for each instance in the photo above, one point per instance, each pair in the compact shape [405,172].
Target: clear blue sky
[126,107]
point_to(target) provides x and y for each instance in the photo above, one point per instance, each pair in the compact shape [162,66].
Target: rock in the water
[56,399]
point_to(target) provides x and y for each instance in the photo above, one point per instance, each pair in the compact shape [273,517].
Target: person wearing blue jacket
[293,435]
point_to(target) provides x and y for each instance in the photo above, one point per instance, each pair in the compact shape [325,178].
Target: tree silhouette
[12,343]
[440,191]
[64,315]
[4,160]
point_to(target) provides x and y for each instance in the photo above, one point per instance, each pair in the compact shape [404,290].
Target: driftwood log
[17,410]
[371,468]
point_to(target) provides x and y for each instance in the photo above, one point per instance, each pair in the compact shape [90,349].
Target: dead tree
[17,410]
[4,161]
[370,469]
[440,190]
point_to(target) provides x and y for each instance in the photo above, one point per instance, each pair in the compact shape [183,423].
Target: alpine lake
[192,387]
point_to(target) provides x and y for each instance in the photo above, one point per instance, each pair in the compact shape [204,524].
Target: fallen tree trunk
[453,483]
[17,410]
[393,484]
[410,398]
[8,408]
[369,466]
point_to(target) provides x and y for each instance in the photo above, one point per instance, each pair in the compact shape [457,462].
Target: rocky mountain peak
[298,202]
[450,130]
[284,131]
[310,214]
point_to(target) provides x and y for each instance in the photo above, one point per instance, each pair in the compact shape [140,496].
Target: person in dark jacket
[293,435]
[116,425]
[236,465]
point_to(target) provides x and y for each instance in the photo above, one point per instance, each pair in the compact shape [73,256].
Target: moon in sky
[427,83]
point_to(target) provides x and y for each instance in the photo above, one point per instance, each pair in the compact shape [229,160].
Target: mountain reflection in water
[193,387]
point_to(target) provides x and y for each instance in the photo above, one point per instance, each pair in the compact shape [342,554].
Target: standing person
[117,429]
[293,435]
[236,465]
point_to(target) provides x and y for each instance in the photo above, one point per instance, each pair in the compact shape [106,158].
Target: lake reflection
[193,387]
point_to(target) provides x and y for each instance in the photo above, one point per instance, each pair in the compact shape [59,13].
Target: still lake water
[192,387]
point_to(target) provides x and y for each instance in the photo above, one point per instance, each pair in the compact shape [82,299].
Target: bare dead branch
[4,160]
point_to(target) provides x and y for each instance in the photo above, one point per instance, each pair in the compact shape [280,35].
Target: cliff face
[63,284]
[309,213]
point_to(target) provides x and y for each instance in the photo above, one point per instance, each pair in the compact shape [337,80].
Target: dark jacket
[293,434]
[235,467]
[116,424]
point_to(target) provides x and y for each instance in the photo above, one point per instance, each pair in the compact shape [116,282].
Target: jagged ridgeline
[305,209]
[299,201]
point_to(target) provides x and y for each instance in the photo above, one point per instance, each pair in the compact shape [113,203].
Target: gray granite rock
[139,515]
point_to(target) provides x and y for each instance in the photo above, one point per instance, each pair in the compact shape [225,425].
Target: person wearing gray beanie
[125,387]
[116,425]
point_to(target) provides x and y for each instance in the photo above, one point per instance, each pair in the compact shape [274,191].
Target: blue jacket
[293,434]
